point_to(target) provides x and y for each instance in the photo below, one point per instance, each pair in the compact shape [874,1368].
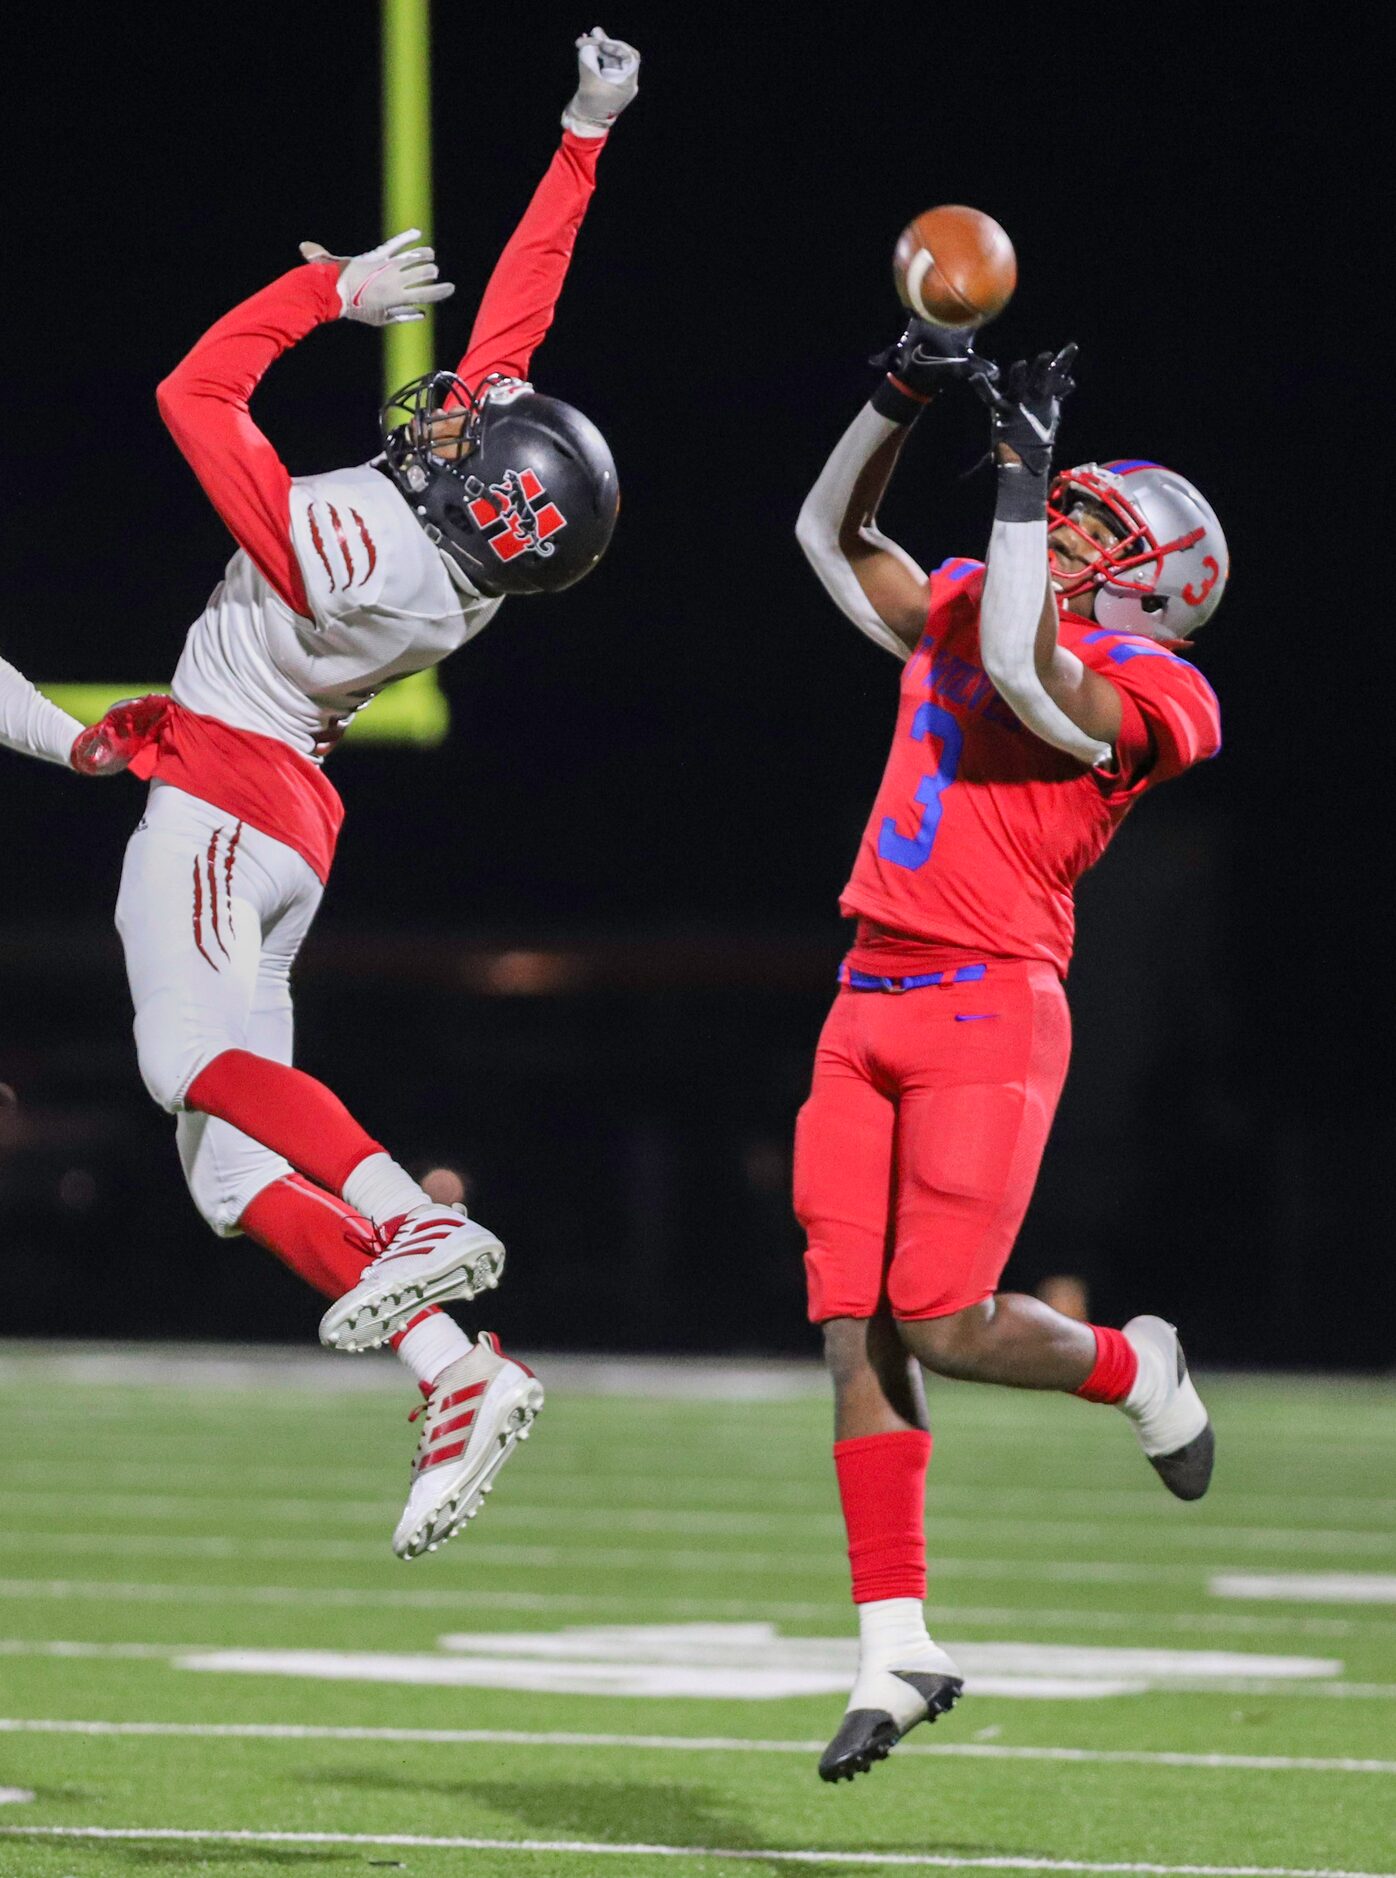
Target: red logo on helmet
[1194,595]
[513,503]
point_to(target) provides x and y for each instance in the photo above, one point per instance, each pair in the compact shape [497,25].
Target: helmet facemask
[1166,556]
[517,489]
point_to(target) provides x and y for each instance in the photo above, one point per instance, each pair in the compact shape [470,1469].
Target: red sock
[1116,1367]
[314,1233]
[320,1238]
[287,1111]
[882,1484]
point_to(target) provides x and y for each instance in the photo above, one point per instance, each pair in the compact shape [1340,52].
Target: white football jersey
[384,601]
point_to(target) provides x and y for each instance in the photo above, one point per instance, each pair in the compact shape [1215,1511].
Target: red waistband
[260,780]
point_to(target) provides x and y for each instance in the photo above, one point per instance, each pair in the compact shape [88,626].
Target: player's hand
[105,748]
[608,76]
[929,356]
[1026,408]
[388,285]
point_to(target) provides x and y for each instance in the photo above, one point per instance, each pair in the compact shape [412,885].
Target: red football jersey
[981,830]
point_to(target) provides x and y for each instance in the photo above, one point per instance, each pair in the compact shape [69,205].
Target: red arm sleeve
[1170,718]
[519,302]
[204,404]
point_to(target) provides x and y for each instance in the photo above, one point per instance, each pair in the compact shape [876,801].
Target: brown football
[954,266]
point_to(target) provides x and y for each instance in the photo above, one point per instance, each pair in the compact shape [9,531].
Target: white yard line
[320,1499]
[690,1744]
[170,1455]
[103,1591]
[257,1368]
[911,1861]
[737,1565]
[1308,1587]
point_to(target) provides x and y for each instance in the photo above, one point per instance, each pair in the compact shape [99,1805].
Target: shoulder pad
[356,542]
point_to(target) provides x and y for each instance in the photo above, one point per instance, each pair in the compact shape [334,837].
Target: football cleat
[885,1705]
[1169,1419]
[424,1257]
[478,1408]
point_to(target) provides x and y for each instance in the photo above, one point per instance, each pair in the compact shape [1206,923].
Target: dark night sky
[694,735]
[694,730]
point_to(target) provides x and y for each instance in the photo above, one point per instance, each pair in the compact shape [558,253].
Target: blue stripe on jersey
[958,568]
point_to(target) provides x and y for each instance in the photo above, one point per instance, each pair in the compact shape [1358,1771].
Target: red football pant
[918,1149]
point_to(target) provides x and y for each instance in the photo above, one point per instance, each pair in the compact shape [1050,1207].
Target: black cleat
[1173,1428]
[1187,1472]
[867,1735]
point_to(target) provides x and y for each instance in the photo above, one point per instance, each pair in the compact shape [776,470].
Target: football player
[1041,696]
[341,584]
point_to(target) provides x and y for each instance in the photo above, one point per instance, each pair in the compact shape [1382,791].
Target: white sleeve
[31,722]
[817,529]
[1014,589]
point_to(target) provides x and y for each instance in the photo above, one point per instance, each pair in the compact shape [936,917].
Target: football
[954,266]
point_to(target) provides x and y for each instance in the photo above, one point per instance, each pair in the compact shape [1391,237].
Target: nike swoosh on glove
[388,285]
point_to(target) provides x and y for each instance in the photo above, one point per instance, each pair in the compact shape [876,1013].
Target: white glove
[389,284]
[608,76]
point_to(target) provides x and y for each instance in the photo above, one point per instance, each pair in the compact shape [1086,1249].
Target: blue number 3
[914,852]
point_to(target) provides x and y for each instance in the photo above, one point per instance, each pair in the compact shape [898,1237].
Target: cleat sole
[867,1736]
[463,1505]
[370,1324]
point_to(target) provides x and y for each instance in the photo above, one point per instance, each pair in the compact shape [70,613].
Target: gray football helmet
[1166,571]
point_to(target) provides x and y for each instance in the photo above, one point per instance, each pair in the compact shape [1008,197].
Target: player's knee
[168,1066]
[851,1352]
[951,1344]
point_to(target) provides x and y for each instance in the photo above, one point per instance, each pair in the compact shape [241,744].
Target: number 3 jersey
[980,830]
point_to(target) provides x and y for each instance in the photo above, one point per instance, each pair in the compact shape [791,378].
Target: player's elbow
[1009,674]
[812,533]
[170,400]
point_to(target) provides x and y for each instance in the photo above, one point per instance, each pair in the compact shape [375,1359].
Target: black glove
[921,361]
[1026,407]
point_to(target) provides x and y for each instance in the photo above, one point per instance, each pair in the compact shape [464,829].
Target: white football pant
[211,914]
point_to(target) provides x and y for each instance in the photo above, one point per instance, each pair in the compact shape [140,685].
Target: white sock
[1150,1384]
[381,1189]
[433,1345]
[892,1633]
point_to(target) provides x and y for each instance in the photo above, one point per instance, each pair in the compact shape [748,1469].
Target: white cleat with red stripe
[478,1408]
[427,1256]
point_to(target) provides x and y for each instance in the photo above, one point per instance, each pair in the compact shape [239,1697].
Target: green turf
[259,1519]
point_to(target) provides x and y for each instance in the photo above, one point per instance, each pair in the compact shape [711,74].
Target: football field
[211,1662]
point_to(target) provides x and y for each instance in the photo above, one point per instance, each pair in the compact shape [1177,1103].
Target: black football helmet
[521,493]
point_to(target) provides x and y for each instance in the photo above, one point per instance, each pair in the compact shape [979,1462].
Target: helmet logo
[511,501]
[1194,595]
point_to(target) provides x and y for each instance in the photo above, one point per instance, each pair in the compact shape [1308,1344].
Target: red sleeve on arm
[1170,718]
[519,302]
[204,404]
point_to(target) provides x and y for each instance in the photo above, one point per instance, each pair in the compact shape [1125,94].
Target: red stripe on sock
[317,1236]
[1116,1367]
[286,1110]
[882,1485]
